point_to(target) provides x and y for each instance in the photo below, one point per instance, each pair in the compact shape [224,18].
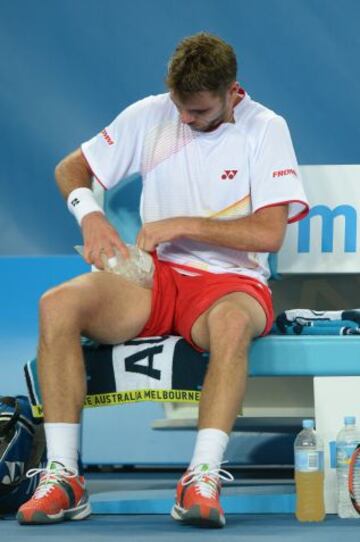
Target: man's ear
[234,88]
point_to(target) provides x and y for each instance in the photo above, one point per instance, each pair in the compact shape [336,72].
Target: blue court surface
[139,528]
[154,492]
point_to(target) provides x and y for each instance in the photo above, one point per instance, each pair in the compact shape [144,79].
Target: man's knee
[229,321]
[61,307]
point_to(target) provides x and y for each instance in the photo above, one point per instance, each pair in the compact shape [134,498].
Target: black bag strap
[8,426]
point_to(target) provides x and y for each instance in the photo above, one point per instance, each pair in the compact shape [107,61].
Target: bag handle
[14,403]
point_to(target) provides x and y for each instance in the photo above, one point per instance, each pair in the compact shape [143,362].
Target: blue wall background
[68,67]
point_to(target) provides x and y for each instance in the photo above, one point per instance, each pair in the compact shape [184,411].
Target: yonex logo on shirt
[283,172]
[229,174]
[107,138]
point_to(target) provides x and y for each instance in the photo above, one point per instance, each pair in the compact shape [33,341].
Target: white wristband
[81,202]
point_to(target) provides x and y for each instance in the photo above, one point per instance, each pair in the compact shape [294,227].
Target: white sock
[63,442]
[209,447]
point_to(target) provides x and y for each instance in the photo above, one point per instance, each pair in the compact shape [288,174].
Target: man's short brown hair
[201,62]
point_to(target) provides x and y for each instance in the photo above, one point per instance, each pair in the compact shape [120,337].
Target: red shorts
[178,300]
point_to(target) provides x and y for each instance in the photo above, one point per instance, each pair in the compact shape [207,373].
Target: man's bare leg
[226,330]
[102,306]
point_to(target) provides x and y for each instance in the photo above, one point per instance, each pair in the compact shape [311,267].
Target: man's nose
[186,117]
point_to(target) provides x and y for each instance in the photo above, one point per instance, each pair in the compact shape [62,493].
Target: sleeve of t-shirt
[275,175]
[115,152]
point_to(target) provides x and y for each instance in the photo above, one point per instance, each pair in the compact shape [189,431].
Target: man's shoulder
[254,118]
[255,113]
[153,103]
[147,111]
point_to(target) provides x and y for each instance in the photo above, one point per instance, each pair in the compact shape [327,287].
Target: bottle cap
[308,424]
[349,420]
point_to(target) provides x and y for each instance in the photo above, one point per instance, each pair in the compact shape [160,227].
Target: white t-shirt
[228,173]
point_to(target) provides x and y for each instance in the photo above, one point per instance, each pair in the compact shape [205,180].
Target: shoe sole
[40,518]
[193,516]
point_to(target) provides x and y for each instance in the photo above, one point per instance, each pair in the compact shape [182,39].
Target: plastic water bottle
[346,441]
[309,474]
[138,267]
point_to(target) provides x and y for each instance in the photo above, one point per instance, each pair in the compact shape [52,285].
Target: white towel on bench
[163,369]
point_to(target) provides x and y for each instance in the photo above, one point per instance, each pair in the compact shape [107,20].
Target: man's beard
[213,124]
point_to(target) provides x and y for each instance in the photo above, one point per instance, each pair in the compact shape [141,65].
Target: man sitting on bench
[220,183]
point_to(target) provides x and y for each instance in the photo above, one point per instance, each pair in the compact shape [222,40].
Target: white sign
[327,240]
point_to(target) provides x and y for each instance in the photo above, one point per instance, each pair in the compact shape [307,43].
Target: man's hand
[100,237]
[160,231]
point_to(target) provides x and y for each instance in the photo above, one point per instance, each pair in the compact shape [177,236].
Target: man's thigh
[110,308]
[246,303]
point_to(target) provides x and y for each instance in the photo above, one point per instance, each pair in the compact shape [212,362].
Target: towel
[310,322]
[162,369]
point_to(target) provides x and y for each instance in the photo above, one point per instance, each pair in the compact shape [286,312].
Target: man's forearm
[262,231]
[72,172]
[249,234]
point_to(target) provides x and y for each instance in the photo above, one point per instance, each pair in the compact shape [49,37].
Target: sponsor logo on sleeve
[106,136]
[284,172]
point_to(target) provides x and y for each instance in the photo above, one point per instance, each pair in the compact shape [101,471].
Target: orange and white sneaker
[60,496]
[197,497]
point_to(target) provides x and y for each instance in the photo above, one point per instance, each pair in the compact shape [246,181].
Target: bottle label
[344,453]
[309,460]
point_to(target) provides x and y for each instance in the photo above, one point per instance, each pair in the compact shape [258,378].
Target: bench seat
[305,356]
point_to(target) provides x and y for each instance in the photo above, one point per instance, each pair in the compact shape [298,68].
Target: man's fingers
[99,263]
[93,257]
[122,248]
[88,255]
[101,240]
[139,240]
[108,252]
[145,242]
[100,256]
